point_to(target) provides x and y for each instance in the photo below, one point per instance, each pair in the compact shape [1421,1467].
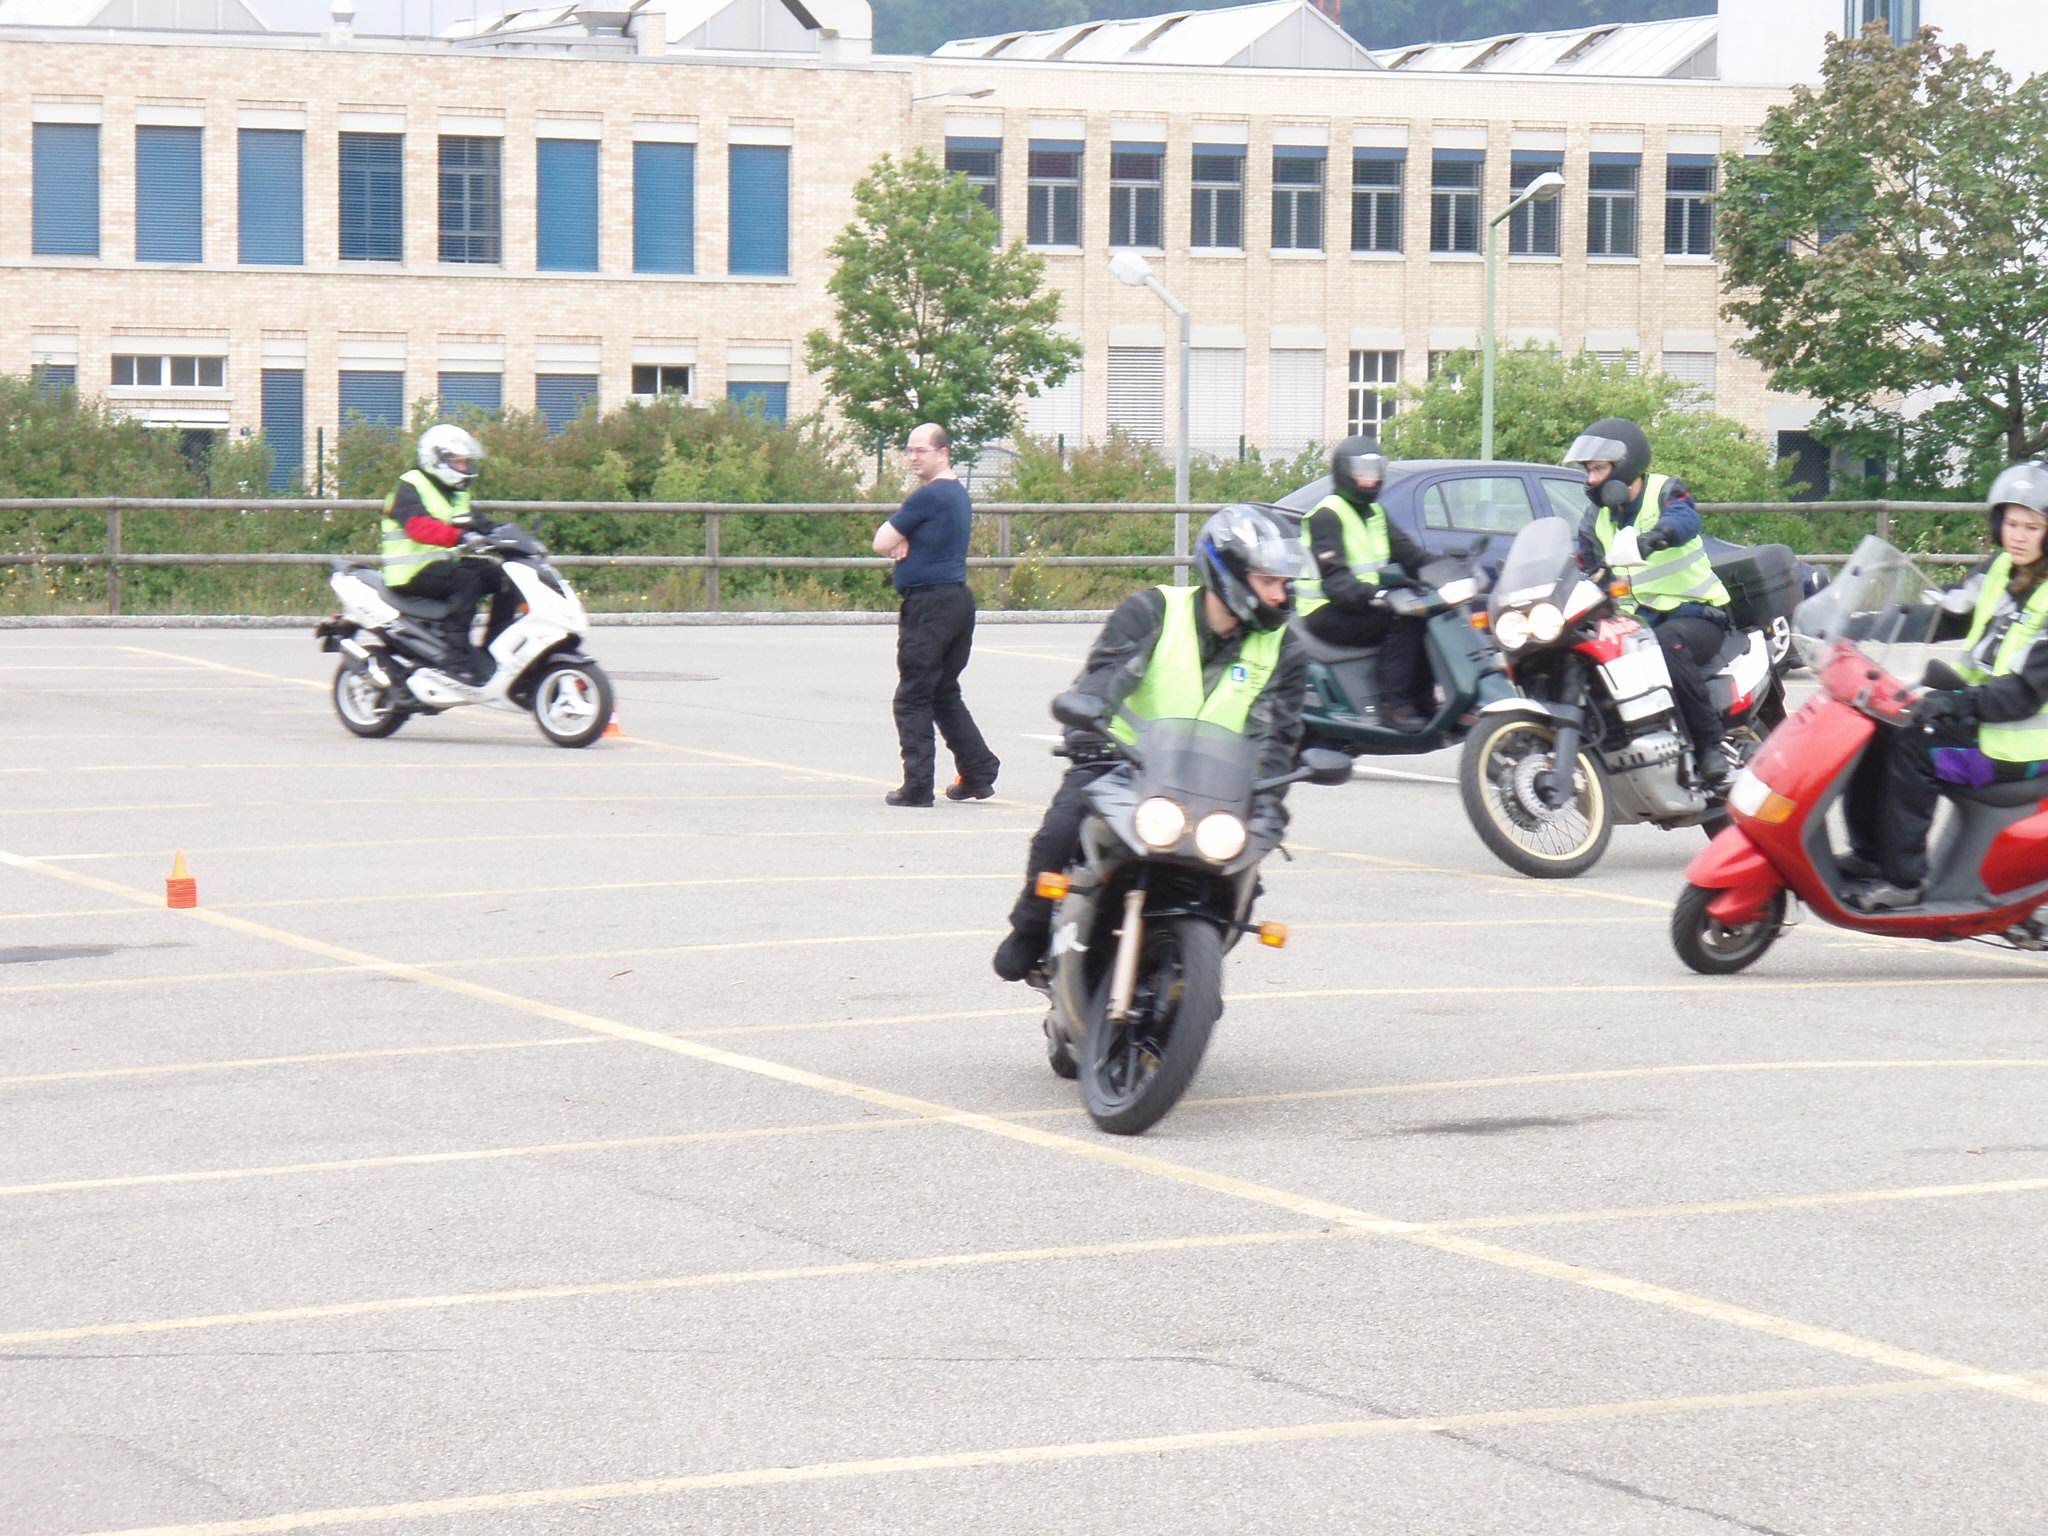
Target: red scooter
[1988,873]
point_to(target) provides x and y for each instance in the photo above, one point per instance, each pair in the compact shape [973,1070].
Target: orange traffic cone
[613,728]
[181,890]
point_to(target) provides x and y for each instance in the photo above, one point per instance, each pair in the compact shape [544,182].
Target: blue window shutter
[372,197]
[168,196]
[270,197]
[486,391]
[768,400]
[559,396]
[67,192]
[565,172]
[284,424]
[378,397]
[664,208]
[758,194]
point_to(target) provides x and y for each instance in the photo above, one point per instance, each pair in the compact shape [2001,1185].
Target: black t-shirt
[935,518]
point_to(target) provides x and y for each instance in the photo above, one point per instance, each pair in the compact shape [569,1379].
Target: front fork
[1124,971]
[1556,787]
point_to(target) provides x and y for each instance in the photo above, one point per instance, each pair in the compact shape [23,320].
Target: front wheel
[572,702]
[1135,1070]
[1712,947]
[1497,776]
[363,706]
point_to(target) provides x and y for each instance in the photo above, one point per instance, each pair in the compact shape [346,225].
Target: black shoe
[1716,768]
[1402,718]
[1883,896]
[908,796]
[960,789]
[1018,955]
[1855,867]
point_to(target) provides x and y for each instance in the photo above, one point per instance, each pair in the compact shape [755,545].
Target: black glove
[1659,537]
[474,521]
[1941,704]
[1085,749]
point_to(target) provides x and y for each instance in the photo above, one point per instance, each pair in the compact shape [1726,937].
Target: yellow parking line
[412,800]
[613,885]
[1574,888]
[26,917]
[1644,1292]
[286,1061]
[380,764]
[470,839]
[221,666]
[1029,1455]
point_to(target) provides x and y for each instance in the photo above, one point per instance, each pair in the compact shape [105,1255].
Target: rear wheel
[572,702]
[1134,1071]
[1714,948]
[364,706]
[1497,775]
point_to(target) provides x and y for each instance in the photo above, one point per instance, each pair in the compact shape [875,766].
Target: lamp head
[1130,267]
[1546,186]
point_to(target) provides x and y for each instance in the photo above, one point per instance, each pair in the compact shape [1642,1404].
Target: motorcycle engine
[1643,777]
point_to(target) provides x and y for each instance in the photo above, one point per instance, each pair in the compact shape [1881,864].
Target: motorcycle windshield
[1877,614]
[1195,763]
[1544,553]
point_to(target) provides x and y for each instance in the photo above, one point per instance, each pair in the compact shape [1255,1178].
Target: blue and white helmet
[1241,539]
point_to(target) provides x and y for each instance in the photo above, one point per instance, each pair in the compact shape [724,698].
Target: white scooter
[397,661]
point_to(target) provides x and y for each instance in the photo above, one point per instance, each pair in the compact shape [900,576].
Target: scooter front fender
[1737,868]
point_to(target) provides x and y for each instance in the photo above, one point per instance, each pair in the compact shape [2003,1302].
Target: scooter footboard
[1737,868]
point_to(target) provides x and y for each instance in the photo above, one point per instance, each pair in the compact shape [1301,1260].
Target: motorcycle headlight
[1512,629]
[1546,623]
[1464,589]
[1219,836]
[1159,822]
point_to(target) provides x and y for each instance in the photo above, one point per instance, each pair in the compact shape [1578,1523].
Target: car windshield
[1873,618]
[1542,555]
[1193,761]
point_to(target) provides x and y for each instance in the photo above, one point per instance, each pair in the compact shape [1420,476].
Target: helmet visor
[1278,554]
[1588,449]
[1363,468]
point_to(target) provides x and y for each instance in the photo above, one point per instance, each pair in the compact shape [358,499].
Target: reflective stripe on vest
[404,556]
[1680,574]
[1172,685]
[1366,548]
[2008,741]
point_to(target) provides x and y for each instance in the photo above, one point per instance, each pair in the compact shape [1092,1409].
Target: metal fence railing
[115,558]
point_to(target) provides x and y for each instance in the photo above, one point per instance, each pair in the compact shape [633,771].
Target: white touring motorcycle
[398,659]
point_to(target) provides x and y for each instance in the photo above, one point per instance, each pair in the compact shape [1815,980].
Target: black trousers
[465,583]
[1054,845]
[1404,664]
[934,638]
[1892,797]
[1689,644]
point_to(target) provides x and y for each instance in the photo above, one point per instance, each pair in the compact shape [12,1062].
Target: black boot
[1030,927]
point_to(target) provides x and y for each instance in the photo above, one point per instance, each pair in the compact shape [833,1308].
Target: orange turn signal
[1618,589]
[1273,935]
[1480,619]
[1051,886]
[1776,808]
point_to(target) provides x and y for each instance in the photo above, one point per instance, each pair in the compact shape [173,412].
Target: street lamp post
[1541,190]
[1134,269]
[985,91]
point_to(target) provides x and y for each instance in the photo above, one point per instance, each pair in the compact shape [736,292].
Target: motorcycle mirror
[1082,711]
[1325,766]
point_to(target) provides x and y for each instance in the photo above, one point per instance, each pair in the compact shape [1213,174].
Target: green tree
[936,321]
[1543,399]
[1887,247]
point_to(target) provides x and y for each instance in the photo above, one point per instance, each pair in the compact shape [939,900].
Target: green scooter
[1343,709]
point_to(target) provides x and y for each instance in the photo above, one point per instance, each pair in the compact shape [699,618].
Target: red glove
[431,530]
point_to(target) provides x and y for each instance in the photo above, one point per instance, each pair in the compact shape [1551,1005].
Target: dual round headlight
[1161,824]
[1219,836]
[1512,629]
[1542,623]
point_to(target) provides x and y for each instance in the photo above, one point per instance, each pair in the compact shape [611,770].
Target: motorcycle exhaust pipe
[1124,976]
[370,663]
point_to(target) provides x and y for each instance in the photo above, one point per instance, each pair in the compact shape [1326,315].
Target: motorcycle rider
[425,519]
[1993,730]
[1359,553]
[1221,651]
[1677,594]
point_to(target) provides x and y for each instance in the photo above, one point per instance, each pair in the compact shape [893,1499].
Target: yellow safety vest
[404,556]
[2008,741]
[1172,686]
[1367,549]
[1680,574]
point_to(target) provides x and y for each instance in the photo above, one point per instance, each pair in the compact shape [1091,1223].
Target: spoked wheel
[1497,775]
[1712,947]
[572,703]
[1135,1070]
[363,706]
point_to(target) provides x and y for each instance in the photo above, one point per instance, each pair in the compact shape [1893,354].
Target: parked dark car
[1478,508]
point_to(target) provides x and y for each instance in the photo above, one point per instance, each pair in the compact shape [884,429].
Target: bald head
[930,451]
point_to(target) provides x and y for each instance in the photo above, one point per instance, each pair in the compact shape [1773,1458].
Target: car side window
[1567,499]
[1480,504]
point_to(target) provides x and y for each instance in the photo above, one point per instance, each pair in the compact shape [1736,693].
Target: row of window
[1294,403]
[1137,182]
[370,199]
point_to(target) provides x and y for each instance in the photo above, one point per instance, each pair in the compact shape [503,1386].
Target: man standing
[928,540]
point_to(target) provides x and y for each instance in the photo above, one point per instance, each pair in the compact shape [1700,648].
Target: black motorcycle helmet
[1239,540]
[1357,471]
[2018,485]
[1618,441]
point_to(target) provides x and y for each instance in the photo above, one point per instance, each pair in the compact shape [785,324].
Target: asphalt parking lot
[635,1141]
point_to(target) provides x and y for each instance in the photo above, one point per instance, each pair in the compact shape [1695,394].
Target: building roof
[136,15]
[1280,34]
[1681,48]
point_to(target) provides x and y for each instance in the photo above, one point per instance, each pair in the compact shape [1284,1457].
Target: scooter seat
[418,607]
[2010,793]
[1323,650]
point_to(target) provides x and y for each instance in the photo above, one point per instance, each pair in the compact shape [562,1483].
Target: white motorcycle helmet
[443,447]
